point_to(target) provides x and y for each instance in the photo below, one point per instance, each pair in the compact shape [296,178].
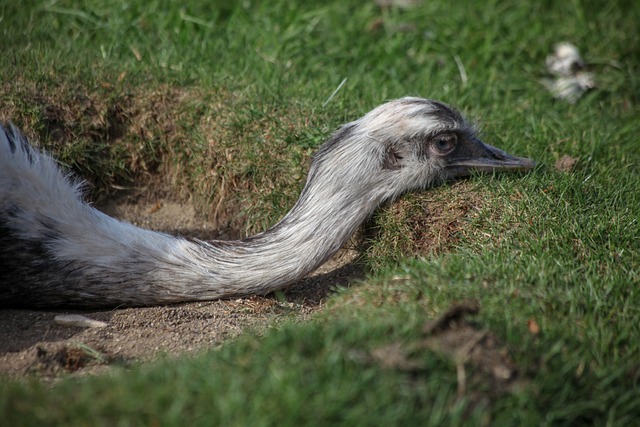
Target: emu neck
[315,228]
[340,193]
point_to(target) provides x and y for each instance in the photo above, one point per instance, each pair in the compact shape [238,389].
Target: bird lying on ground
[56,250]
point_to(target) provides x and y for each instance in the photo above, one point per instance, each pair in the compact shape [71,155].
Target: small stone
[78,321]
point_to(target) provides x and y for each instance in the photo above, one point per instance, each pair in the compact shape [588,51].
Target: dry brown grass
[241,167]
[424,224]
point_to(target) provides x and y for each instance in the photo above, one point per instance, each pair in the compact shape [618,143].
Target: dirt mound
[32,342]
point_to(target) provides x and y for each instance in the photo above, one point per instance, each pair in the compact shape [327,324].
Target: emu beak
[474,155]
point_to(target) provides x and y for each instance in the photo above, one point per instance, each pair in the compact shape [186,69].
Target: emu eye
[444,143]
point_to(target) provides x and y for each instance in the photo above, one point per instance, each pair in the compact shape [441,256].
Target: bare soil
[32,343]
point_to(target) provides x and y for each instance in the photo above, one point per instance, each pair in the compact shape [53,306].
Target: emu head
[409,144]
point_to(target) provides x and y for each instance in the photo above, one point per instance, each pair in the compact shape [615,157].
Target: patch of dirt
[484,369]
[566,163]
[33,343]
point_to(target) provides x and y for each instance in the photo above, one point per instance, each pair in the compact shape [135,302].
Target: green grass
[240,94]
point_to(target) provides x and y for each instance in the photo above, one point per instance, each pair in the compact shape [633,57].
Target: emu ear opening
[392,159]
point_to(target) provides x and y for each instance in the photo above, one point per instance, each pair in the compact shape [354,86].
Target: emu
[57,250]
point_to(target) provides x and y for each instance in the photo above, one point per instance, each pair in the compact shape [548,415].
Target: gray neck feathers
[57,250]
[75,255]
[340,193]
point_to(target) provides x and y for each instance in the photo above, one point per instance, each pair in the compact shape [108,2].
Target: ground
[32,342]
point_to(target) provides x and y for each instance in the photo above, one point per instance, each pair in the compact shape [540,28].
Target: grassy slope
[560,249]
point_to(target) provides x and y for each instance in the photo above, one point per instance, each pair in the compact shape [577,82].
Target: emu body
[56,250]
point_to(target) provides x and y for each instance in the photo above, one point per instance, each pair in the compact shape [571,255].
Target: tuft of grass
[426,224]
[228,101]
